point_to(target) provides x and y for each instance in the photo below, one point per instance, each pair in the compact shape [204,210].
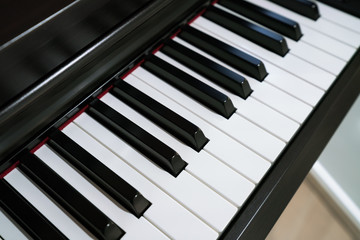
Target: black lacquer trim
[32,55]
[64,88]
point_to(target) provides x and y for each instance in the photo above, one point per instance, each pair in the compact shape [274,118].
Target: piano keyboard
[184,175]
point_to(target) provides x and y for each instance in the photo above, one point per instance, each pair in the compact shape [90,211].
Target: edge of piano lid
[28,116]
[55,92]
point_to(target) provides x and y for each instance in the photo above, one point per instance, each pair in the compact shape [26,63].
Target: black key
[304,7]
[70,199]
[228,54]
[265,17]
[255,33]
[97,172]
[161,115]
[215,72]
[151,147]
[189,85]
[24,214]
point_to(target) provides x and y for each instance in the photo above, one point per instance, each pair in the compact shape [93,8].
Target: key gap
[287,38]
[207,121]
[86,179]
[257,55]
[304,59]
[157,186]
[216,158]
[209,126]
[257,23]
[243,175]
[74,220]
[332,54]
[328,35]
[155,226]
[207,81]
[259,100]
[200,76]
[15,224]
[125,162]
[291,94]
[213,189]
[238,112]
[310,26]
[264,37]
[246,76]
[340,25]
[263,128]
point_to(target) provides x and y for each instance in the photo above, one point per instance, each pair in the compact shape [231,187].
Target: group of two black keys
[87,214]
[234,57]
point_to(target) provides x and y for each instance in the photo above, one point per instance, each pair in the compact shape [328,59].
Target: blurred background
[327,204]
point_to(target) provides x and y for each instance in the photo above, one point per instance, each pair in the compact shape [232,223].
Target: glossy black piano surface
[50,73]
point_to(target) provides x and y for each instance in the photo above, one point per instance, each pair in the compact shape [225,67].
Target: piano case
[48,74]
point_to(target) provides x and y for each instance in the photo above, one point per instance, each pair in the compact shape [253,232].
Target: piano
[171,119]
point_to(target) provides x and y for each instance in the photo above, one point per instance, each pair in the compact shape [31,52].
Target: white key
[282,80]
[321,25]
[45,206]
[230,152]
[187,190]
[236,126]
[273,97]
[328,44]
[268,119]
[293,85]
[250,108]
[317,57]
[281,101]
[215,174]
[306,51]
[289,63]
[319,40]
[8,230]
[125,220]
[339,17]
[160,201]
